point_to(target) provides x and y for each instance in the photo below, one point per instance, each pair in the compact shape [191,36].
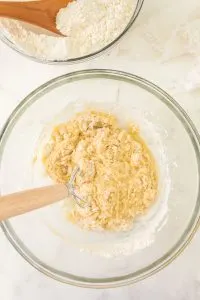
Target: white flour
[88,24]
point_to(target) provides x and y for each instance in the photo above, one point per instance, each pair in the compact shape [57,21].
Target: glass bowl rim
[194,223]
[80,59]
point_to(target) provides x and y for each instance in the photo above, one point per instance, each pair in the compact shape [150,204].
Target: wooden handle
[40,13]
[22,202]
[34,12]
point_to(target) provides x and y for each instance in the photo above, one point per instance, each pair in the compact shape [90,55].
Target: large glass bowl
[8,40]
[61,250]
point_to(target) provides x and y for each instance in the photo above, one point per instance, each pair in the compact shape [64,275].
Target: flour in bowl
[89,25]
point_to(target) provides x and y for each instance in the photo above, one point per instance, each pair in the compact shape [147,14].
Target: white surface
[18,76]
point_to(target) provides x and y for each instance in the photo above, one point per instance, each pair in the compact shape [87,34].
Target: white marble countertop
[147,51]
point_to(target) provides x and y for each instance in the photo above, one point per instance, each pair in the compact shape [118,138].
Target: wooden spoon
[22,202]
[41,13]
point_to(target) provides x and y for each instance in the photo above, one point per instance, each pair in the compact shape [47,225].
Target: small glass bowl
[7,40]
[103,259]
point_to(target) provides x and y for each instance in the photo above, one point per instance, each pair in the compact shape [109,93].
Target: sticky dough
[117,177]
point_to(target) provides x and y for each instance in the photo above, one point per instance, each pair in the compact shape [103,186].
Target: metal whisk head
[81,202]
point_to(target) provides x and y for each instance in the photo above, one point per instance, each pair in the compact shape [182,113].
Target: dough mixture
[117,177]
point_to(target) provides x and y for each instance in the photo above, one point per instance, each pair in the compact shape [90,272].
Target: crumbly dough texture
[117,177]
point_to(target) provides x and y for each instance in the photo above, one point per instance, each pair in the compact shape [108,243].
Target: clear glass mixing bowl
[61,250]
[8,40]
